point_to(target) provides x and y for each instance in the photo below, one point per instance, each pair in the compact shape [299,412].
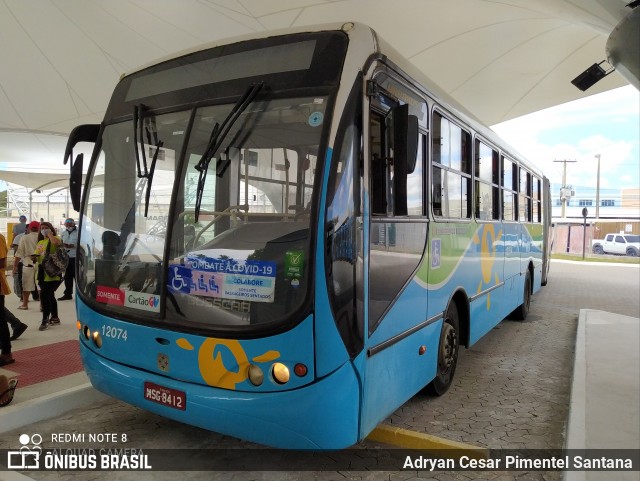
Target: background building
[614,203]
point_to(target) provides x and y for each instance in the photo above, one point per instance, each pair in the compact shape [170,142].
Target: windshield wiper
[140,127]
[138,120]
[218,134]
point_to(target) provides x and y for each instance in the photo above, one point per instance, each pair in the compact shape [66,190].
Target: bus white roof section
[499,59]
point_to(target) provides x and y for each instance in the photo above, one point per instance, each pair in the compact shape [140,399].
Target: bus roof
[370,43]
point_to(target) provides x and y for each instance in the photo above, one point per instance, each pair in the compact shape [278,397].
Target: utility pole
[563,189]
[598,189]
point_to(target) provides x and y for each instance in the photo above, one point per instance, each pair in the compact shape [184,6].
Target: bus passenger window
[509,190]
[524,199]
[451,169]
[487,178]
[536,201]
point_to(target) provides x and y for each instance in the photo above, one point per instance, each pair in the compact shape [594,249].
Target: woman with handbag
[46,248]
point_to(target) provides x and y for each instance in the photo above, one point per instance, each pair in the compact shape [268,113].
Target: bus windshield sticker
[316,119]
[249,288]
[127,298]
[225,278]
[110,295]
[294,264]
[142,300]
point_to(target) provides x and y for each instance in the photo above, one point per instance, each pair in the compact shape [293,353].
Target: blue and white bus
[284,238]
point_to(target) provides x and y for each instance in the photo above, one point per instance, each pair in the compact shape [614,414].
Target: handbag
[55,263]
[17,283]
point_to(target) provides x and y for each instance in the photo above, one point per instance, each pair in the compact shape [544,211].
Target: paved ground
[512,390]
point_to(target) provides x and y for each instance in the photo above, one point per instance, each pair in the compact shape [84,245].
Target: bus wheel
[447,353]
[521,312]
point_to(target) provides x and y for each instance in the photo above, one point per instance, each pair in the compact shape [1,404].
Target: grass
[597,258]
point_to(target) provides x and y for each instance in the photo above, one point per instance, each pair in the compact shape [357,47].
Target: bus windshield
[244,260]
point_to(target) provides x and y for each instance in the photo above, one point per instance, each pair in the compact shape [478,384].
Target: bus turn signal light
[300,370]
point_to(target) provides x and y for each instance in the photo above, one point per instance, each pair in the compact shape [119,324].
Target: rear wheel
[448,348]
[597,249]
[522,311]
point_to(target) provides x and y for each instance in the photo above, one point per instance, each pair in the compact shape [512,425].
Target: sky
[607,124]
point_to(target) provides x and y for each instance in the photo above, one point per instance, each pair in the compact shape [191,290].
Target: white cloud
[608,113]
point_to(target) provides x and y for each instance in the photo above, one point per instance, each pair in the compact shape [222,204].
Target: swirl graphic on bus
[488,247]
[223,362]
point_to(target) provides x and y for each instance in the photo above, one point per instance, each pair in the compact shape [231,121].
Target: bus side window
[451,169]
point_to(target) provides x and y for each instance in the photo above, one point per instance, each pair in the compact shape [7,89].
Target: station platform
[603,410]
[51,379]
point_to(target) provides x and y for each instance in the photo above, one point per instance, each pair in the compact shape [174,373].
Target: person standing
[20,228]
[26,248]
[16,324]
[17,281]
[69,241]
[16,242]
[50,243]
[5,341]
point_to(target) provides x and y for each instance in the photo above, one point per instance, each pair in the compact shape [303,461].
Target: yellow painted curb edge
[403,438]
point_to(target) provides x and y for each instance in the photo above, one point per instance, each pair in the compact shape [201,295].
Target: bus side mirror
[82,133]
[75,182]
[405,150]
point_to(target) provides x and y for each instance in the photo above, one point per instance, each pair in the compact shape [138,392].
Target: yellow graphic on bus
[488,248]
[184,344]
[213,367]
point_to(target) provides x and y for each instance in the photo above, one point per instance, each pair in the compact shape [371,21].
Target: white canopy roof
[61,59]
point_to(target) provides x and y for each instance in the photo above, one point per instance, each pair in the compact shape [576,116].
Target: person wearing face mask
[23,257]
[69,240]
[48,285]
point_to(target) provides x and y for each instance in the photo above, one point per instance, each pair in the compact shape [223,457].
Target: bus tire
[448,349]
[522,311]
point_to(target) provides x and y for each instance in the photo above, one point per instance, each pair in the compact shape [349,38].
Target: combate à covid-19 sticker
[245,280]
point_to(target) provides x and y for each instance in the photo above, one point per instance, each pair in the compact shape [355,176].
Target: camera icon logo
[26,457]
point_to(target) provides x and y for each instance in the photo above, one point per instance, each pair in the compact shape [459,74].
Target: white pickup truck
[622,244]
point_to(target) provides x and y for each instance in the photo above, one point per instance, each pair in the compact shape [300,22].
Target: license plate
[165,396]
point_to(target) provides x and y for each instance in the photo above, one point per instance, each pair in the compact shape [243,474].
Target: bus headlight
[256,376]
[280,373]
[87,333]
[97,339]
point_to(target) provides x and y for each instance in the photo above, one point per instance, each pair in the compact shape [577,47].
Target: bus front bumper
[321,415]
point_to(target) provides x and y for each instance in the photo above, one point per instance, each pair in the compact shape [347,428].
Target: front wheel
[632,252]
[448,348]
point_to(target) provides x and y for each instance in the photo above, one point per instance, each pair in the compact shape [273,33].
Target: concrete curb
[406,439]
[48,406]
[576,424]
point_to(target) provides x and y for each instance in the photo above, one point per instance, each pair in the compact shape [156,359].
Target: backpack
[54,264]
